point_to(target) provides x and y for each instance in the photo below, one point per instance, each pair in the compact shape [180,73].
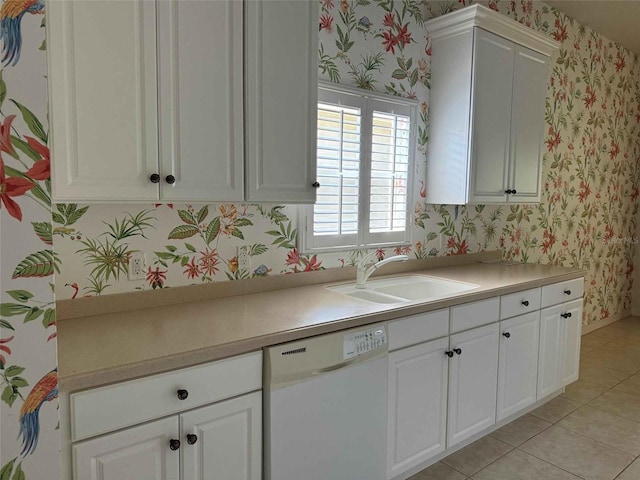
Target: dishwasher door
[326,407]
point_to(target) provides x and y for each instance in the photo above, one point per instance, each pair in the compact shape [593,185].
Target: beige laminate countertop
[113,347]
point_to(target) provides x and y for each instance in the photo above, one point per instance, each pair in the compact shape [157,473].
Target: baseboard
[604,322]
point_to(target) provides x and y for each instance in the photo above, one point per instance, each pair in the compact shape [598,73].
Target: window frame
[368,102]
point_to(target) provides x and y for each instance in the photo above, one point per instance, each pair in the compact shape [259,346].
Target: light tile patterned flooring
[591,432]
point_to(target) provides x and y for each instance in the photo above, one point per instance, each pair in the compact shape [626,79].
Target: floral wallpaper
[28,373]
[587,218]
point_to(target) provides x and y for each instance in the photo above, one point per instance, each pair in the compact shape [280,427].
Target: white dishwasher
[325,407]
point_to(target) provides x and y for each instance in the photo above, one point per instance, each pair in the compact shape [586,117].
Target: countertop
[110,347]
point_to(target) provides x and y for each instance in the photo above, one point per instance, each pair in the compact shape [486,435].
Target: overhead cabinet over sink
[489,79]
[181,100]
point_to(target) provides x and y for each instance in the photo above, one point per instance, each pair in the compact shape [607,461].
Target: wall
[590,176]
[28,402]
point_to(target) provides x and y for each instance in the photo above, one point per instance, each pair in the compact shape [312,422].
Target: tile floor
[591,432]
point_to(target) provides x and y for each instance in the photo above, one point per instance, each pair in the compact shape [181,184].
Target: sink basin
[401,289]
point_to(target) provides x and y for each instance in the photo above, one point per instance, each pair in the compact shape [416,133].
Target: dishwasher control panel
[363,341]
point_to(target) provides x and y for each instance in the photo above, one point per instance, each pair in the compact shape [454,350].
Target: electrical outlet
[137,266]
[244,258]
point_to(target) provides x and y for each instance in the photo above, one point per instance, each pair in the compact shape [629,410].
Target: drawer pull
[192,438]
[567,292]
[525,303]
[182,394]
[566,315]
[449,353]
[506,335]
[458,350]
[155,178]
[174,444]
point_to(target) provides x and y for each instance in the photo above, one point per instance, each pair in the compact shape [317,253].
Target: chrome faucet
[365,270]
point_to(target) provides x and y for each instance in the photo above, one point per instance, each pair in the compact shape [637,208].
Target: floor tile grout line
[552,464]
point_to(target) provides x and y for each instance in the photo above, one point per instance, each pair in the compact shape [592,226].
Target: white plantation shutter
[363,164]
[389,172]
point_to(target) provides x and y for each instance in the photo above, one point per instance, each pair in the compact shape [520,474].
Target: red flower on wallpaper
[389,20]
[209,261]
[156,278]
[5,349]
[5,136]
[560,34]
[553,140]
[389,41]
[404,36]
[584,192]
[41,170]
[293,257]
[380,254]
[589,97]
[192,270]
[311,264]
[326,22]
[12,187]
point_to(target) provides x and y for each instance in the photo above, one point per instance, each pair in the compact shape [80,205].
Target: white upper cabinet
[103,95]
[200,101]
[148,100]
[282,96]
[488,89]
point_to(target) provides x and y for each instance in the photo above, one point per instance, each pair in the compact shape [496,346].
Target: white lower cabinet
[198,423]
[223,440]
[137,453]
[573,332]
[473,375]
[417,404]
[518,364]
[550,354]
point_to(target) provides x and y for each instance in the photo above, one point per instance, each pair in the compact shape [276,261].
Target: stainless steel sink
[402,289]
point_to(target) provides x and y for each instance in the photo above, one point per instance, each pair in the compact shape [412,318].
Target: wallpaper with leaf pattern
[587,217]
[28,375]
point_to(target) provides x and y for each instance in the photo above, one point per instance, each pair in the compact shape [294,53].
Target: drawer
[418,328]
[474,314]
[109,408]
[519,303]
[562,292]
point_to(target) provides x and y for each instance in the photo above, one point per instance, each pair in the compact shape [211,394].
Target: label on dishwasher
[357,343]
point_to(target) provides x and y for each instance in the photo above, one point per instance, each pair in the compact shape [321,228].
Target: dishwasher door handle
[331,368]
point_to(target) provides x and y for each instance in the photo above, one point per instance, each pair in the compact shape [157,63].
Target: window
[364,158]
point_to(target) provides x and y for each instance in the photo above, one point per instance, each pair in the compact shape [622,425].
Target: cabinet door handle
[507,191]
[525,303]
[567,292]
[174,444]
[457,350]
[192,438]
[315,184]
[155,178]
[170,179]
[566,315]
[514,191]
[182,394]
[506,335]
[449,353]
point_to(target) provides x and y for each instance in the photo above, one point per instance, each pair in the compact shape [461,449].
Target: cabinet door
[417,405]
[530,77]
[102,91]
[472,382]
[200,103]
[137,453]
[573,332]
[227,442]
[281,96]
[518,364]
[491,100]
[550,354]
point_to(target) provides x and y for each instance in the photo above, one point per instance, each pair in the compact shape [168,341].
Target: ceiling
[618,20]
